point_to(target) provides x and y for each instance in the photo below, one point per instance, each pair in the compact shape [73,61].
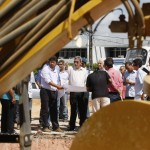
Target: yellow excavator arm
[31,31]
[23,48]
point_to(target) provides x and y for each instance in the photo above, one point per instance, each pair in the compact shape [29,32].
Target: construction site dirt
[44,140]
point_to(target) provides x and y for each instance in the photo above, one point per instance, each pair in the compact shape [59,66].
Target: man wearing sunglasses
[77,77]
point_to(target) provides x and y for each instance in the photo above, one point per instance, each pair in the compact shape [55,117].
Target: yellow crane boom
[13,67]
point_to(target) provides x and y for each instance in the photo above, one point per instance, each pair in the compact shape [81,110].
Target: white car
[35,91]
[118,62]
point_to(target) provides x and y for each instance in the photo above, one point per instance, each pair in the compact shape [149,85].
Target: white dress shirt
[49,75]
[139,83]
[130,89]
[77,77]
[64,77]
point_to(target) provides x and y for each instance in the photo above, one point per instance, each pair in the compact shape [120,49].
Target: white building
[103,46]
[101,49]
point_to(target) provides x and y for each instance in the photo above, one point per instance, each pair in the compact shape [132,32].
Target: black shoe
[3,132]
[65,120]
[12,132]
[71,129]
[60,117]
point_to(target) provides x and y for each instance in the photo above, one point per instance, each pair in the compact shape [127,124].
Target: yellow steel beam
[53,42]
[147,24]
[4,4]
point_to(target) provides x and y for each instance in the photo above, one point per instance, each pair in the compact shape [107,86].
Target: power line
[116,37]
[111,41]
[110,36]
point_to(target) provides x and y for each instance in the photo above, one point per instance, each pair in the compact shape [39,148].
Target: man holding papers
[77,78]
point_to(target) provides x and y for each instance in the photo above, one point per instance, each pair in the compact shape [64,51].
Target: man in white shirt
[86,94]
[129,81]
[49,91]
[62,102]
[137,64]
[77,77]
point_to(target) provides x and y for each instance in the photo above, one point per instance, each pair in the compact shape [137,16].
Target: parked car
[34,87]
[143,53]
[118,62]
[35,91]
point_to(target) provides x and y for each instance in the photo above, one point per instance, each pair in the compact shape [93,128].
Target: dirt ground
[43,141]
[41,144]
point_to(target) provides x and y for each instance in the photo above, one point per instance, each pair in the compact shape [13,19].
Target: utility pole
[91,33]
[90,47]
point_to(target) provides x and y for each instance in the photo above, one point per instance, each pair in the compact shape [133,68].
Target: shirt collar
[52,69]
[110,69]
[81,68]
[62,71]
[134,71]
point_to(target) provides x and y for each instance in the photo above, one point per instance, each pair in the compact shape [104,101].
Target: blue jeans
[62,107]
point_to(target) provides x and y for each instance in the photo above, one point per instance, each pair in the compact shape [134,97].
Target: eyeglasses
[60,64]
[134,65]
[76,62]
[121,69]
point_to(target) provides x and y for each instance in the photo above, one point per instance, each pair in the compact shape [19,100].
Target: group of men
[133,80]
[53,77]
[105,84]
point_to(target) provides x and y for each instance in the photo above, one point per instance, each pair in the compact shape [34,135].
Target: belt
[53,91]
[113,93]
[129,97]
[48,90]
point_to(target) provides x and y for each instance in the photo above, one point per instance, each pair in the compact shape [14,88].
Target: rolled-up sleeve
[141,76]
[45,75]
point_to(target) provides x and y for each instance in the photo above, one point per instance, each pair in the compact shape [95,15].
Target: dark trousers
[30,108]
[129,98]
[114,96]
[148,98]
[16,113]
[7,119]
[49,107]
[78,101]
